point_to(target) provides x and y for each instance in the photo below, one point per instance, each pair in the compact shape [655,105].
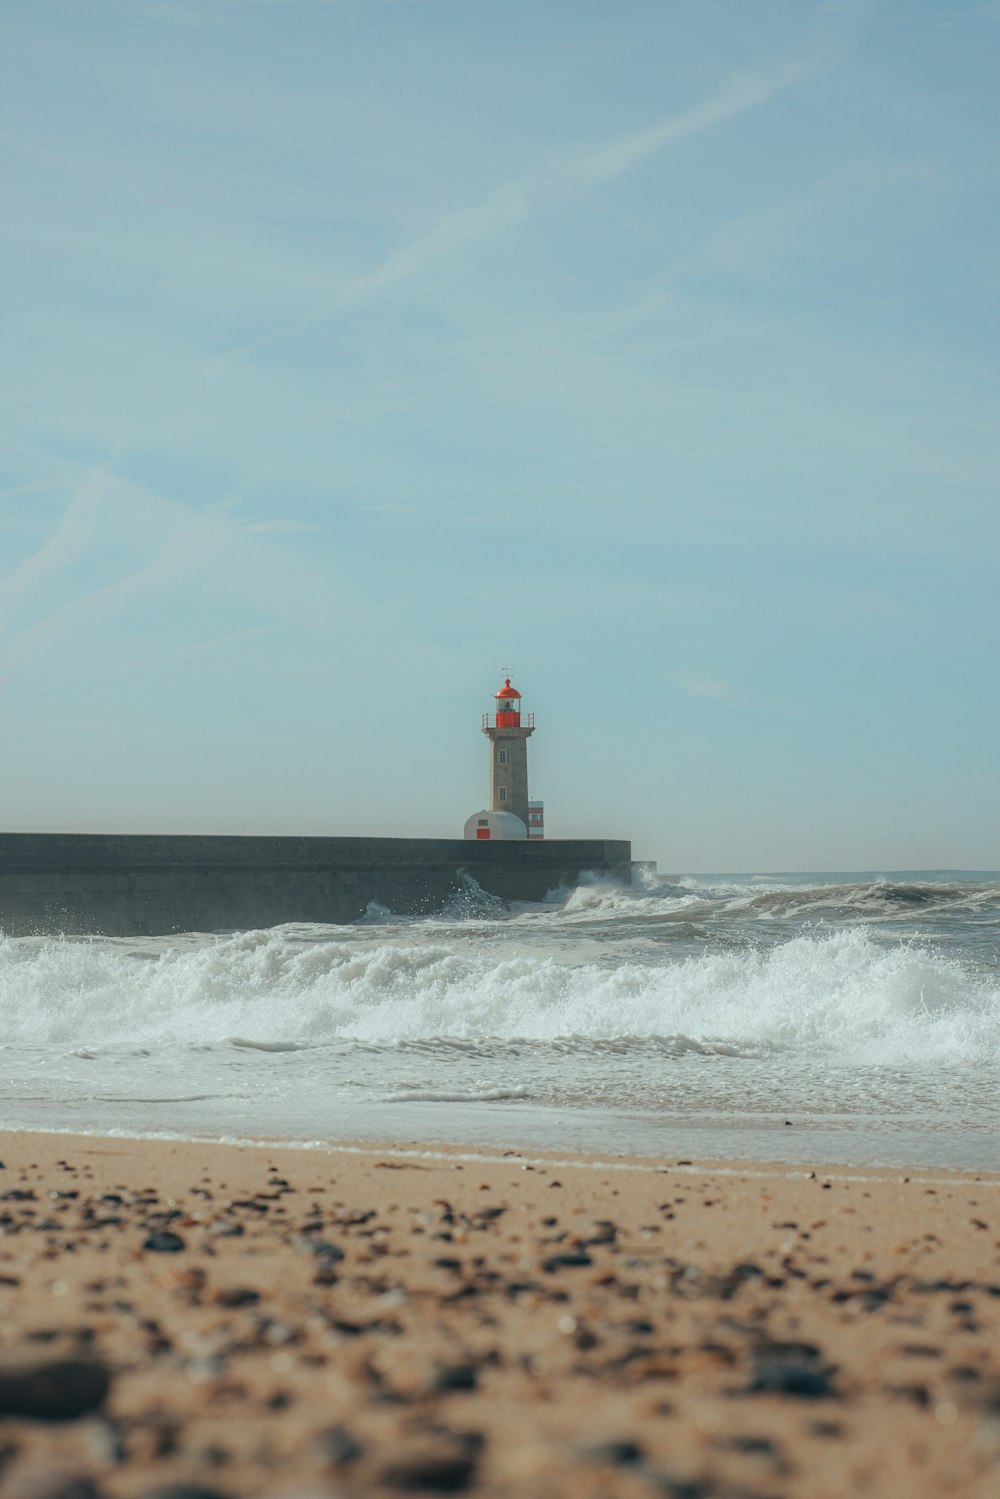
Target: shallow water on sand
[850,1018]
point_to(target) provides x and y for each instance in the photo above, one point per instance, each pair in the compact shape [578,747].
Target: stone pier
[131,885]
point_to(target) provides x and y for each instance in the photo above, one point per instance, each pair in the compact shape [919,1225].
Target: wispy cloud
[816,220]
[269,527]
[718,690]
[67,543]
[37,486]
[560,178]
[119,553]
[593,169]
[196,648]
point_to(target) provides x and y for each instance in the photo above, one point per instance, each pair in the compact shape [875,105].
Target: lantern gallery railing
[524,720]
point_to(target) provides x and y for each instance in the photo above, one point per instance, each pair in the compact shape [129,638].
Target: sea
[848,1019]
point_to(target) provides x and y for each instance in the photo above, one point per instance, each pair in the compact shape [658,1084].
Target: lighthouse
[510,814]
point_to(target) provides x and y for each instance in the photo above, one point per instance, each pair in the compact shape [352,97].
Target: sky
[355,349]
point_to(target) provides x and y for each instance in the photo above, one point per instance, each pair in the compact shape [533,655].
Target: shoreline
[377,1319]
[622,1138]
[444,1151]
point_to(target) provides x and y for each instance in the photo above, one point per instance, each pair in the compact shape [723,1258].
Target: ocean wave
[881,898]
[484,1094]
[835,993]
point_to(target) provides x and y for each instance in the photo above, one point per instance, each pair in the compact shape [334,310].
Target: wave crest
[840,993]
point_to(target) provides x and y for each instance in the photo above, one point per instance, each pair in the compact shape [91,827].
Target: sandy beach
[204,1319]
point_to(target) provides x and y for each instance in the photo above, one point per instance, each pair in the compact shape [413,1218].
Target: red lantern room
[508,701]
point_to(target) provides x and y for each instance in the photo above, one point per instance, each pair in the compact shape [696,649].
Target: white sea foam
[840,992]
[482,1093]
[879,898]
[695,1015]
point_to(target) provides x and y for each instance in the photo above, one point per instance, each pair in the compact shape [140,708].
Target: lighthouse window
[503,793]
[502,757]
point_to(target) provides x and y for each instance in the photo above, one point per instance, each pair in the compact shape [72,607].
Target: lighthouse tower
[509,814]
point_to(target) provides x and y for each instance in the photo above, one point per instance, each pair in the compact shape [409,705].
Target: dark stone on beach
[324,1250]
[624,1454]
[764,1446]
[483,1218]
[215,1456]
[455,1377]
[16,1194]
[770,1348]
[790,1368]
[237,1296]
[164,1243]
[677,1488]
[919,1394]
[874,1297]
[227,1230]
[57,1391]
[183,1491]
[57,1484]
[339,1446]
[464,1293]
[726,1286]
[348,1329]
[785,1376]
[568,1261]
[430,1471]
[975,1393]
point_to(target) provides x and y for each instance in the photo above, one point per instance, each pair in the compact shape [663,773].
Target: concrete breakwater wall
[147,885]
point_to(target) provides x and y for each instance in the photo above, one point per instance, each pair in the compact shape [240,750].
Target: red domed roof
[507,691]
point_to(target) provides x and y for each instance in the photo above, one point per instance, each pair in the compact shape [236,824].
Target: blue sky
[353,348]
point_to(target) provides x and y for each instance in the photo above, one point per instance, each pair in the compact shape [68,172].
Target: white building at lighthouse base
[494,825]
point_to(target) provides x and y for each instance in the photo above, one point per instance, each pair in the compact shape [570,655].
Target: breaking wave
[878,899]
[845,993]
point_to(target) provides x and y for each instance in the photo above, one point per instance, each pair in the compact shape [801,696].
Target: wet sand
[202,1319]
